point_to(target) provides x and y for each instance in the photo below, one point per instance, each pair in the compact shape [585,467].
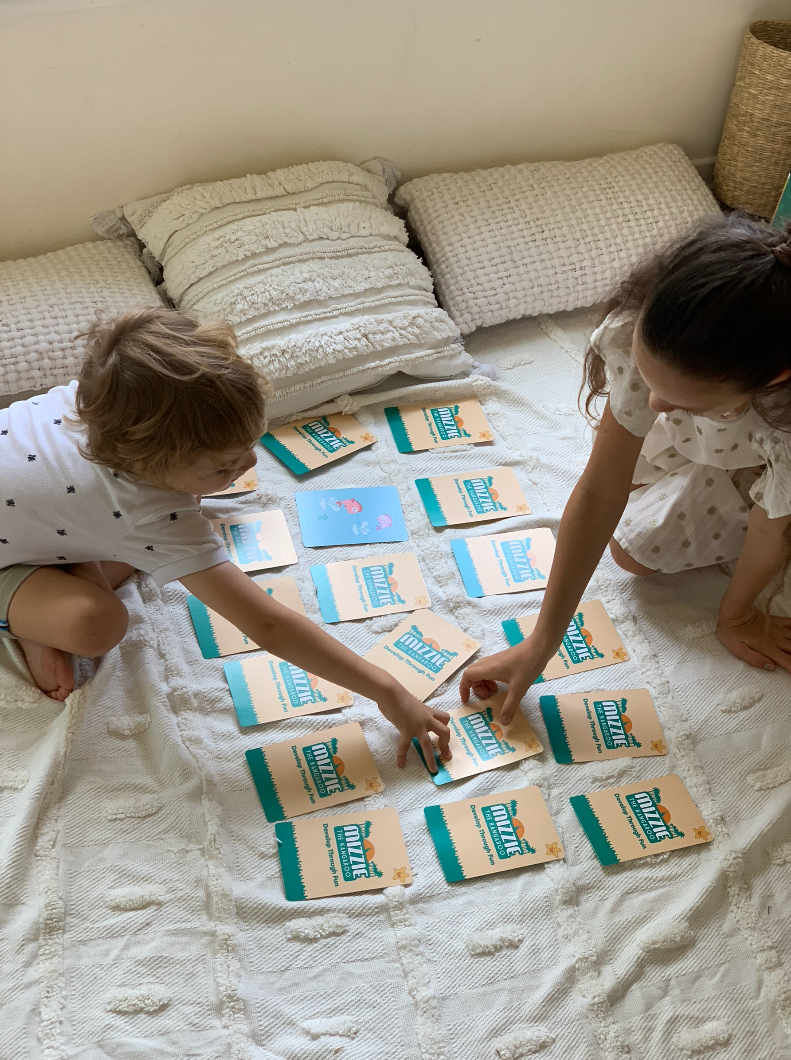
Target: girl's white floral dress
[698,476]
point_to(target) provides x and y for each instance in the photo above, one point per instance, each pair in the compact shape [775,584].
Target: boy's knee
[99,624]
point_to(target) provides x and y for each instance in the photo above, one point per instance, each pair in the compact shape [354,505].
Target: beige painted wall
[105,101]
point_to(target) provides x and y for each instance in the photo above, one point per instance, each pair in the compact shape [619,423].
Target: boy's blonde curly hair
[157,389]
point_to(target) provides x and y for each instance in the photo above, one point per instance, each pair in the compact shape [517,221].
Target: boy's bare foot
[50,668]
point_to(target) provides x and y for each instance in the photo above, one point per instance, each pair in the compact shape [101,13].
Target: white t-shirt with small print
[57,507]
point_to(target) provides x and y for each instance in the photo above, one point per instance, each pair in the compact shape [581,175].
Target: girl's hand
[517,667]
[761,641]
[414,719]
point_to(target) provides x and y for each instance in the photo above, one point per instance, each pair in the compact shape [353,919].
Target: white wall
[105,101]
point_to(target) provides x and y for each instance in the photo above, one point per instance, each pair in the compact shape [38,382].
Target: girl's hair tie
[782,253]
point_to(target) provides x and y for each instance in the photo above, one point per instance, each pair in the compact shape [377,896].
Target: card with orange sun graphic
[365,588]
[418,427]
[493,833]
[344,854]
[314,441]
[423,651]
[265,688]
[639,819]
[479,741]
[472,496]
[593,726]
[590,641]
[312,772]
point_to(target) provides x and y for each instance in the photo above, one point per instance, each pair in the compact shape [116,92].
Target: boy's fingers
[428,752]
[464,687]
[403,747]
[443,736]
[441,716]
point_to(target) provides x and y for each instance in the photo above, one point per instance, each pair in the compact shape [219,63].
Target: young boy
[104,476]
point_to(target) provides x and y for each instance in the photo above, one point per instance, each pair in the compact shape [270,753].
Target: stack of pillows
[312,268]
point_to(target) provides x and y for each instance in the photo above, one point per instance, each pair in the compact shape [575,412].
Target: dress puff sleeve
[612,340]
[773,489]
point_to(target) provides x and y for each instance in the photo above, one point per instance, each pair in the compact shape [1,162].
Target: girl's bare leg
[56,613]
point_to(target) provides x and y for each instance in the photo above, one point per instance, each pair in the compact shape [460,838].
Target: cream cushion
[47,301]
[549,236]
[312,270]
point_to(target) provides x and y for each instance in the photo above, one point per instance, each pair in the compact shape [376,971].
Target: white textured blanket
[142,908]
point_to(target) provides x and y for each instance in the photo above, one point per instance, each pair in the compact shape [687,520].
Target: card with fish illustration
[479,741]
[591,641]
[314,771]
[376,585]
[642,818]
[358,515]
[218,637]
[515,562]
[417,427]
[316,440]
[593,726]
[265,688]
[493,833]
[422,652]
[248,482]
[344,854]
[472,496]
[258,541]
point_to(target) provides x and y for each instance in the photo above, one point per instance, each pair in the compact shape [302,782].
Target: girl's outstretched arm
[761,640]
[588,522]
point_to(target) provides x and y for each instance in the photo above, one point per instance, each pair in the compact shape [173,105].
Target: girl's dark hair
[718,307]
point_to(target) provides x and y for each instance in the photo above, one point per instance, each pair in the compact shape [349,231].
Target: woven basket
[754,157]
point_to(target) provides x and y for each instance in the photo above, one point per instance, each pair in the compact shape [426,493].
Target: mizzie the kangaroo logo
[356,851]
[301,687]
[652,816]
[578,642]
[424,650]
[448,422]
[485,735]
[615,723]
[329,438]
[520,561]
[381,585]
[326,768]
[506,830]
[483,496]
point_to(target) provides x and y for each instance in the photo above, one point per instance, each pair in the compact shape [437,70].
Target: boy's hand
[517,667]
[761,641]
[414,719]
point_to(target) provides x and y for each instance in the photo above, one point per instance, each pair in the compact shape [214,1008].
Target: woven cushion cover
[46,302]
[312,270]
[549,236]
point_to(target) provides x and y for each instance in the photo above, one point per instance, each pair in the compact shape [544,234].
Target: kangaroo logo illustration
[506,830]
[356,851]
[652,816]
[615,723]
[449,424]
[578,642]
[326,768]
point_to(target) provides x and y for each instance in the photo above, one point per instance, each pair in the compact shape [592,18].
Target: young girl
[104,477]
[693,448]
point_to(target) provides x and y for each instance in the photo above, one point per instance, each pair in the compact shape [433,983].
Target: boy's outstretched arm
[296,639]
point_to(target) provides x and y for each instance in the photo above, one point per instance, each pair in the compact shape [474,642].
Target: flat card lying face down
[265,688]
[343,854]
[593,726]
[374,585]
[315,441]
[472,496]
[417,427]
[635,820]
[591,641]
[422,652]
[217,637]
[479,741]
[492,833]
[312,772]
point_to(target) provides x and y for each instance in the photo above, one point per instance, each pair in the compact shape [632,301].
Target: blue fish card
[356,516]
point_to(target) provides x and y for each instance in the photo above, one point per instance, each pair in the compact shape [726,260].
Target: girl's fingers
[754,658]
[441,716]
[783,659]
